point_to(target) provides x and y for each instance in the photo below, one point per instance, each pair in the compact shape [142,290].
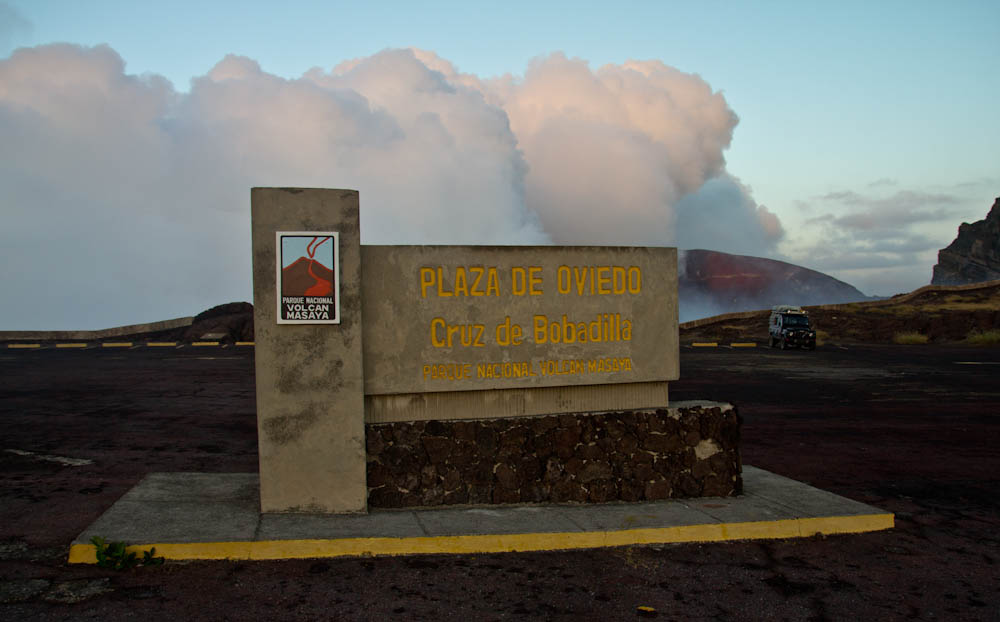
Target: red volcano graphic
[307,276]
[323,287]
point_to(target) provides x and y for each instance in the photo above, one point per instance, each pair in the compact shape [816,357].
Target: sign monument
[347,333]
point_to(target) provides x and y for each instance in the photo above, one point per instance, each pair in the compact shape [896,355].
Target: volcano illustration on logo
[308,269]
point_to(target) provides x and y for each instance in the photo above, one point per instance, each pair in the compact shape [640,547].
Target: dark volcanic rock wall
[623,456]
[234,321]
[712,283]
[974,256]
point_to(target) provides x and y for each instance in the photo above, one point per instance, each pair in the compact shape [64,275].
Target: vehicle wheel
[770,341]
[782,344]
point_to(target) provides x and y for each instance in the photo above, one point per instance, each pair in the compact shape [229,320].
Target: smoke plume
[128,201]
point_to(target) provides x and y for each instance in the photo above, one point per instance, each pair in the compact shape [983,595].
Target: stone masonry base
[689,450]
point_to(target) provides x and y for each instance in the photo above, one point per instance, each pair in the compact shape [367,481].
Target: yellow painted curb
[244,343]
[744,344]
[205,343]
[704,344]
[117,344]
[23,346]
[161,344]
[501,543]
[71,345]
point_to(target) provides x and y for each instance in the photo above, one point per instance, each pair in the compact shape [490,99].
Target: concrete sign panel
[310,399]
[308,270]
[466,318]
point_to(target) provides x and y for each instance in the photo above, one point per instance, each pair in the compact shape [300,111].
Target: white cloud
[610,152]
[882,244]
[723,216]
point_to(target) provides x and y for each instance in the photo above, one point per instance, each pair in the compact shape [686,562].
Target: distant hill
[712,283]
[940,313]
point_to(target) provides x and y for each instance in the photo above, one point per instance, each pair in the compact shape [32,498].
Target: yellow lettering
[449,371]
[555,332]
[445,335]
[460,285]
[452,331]
[595,329]
[563,279]
[534,281]
[477,271]
[436,323]
[440,282]
[568,330]
[618,279]
[581,281]
[492,282]
[517,281]
[468,281]
[467,336]
[596,280]
[603,280]
[634,280]
[508,334]
[541,324]
[426,280]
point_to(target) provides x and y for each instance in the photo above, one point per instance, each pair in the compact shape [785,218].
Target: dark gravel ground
[906,428]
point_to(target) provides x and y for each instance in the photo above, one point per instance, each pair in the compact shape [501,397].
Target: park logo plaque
[307,273]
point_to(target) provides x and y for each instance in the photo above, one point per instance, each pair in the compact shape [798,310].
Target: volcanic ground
[910,429]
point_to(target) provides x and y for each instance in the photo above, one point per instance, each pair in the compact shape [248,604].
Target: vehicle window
[795,321]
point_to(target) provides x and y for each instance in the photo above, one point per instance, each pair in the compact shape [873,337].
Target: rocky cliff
[229,322]
[974,256]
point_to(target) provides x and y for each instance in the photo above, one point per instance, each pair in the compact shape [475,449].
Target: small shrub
[983,338]
[822,337]
[909,338]
[113,555]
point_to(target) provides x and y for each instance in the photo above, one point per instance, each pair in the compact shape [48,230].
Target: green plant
[983,338]
[910,338]
[149,557]
[115,556]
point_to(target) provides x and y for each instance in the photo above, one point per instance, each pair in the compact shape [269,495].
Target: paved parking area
[909,429]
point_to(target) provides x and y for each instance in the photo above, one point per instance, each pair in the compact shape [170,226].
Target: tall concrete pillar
[310,389]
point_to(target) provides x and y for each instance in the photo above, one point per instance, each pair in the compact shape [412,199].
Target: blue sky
[868,129]
[294,248]
[913,78]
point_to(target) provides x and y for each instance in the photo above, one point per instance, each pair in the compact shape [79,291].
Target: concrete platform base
[217,516]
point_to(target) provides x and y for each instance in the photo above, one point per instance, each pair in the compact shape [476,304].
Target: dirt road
[911,429]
